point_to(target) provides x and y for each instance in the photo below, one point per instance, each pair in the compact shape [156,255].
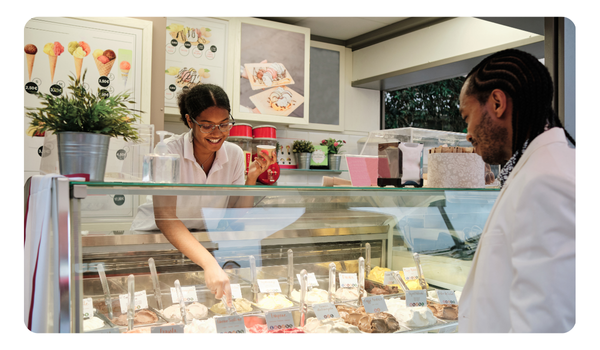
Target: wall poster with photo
[274,72]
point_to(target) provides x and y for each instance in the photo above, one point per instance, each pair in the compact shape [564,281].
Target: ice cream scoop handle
[105,289]
[230,309]
[290,277]
[331,282]
[361,279]
[181,302]
[422,282]
[303,306]
[157,295]
[368,257]
[131,301]
[252,262]
[400,281]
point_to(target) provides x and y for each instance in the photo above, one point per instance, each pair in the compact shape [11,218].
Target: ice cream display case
[292,250]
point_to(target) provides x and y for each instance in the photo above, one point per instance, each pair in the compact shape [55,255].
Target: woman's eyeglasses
[208,128]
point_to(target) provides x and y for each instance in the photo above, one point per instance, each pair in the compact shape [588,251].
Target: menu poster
[196,53]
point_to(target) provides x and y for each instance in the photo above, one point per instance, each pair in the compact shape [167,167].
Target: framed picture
[274,72]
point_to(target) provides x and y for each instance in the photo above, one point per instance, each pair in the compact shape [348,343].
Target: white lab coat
[523,273]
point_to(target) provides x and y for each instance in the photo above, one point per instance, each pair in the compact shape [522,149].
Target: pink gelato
[125,65]
[85,47]
[58,48]
[103,59]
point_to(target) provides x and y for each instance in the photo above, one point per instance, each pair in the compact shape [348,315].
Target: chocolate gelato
[30,49]
[374,289]
[444,311]
[110,54]
[380,322]
[141,317]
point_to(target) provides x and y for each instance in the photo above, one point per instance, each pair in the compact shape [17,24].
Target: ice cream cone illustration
[104,61]
[30,51]
[53,50]
[79,50]
[125,67]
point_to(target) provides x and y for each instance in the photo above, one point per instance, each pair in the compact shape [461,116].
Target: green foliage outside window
[428,106]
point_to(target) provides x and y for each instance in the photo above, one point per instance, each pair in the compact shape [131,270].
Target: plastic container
[160,166]
[245,144]
[242,130]
[264,131]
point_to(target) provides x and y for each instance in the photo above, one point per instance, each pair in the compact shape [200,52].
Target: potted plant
[84,123]
[333,149]
[303,150]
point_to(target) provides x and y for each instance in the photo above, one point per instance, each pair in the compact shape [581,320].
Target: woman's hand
[217,282]
[259,166]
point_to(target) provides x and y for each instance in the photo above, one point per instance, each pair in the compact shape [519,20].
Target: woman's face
[212,141]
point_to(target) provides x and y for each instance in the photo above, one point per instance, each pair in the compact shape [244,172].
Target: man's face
[483,130]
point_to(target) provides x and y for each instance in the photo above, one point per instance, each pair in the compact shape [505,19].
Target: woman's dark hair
[527,82]
[197,99]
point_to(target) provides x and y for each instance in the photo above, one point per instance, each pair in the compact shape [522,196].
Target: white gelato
[198,326]
[332,325]
[410,316]
[193,310]
[313,296]
[432,295]
[348,294]
[274,301]
[92,323]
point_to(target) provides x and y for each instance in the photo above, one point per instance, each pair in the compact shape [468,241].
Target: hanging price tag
[88,308]
[447,297]
[416,298]
[374,304]
[388,278]
[410,273]
[325,311]
[236,291]
[348,280]
[279,320]
[311,279]
[269,286]
[188,292]
[230,324]
[141,301]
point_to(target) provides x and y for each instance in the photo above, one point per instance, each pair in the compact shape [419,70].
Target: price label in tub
[410,273]
[310,278]
[374,304]
[325,311]
[230,324]
[188,292]
[416,298]
[88,308]
[177,328]
[269,286]
[279,320]
[388,278]
[141,301]
[348,280]
[446,297]
[236,291]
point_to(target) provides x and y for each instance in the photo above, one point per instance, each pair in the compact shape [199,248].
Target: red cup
[244,130]
[264,131]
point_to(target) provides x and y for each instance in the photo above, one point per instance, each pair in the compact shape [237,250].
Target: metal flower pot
[303,160]
[334,161]
[83,153]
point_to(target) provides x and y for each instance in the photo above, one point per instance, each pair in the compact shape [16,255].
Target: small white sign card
[410,273]
[279,320]
[88,308]
[189,294]
[310,278]
[177,328]
[447,297]
[374,304]
[388,278]
[269,286]
[141,301]
[230,324]
[325,311]
[236,291]
[416,298]
[348,280]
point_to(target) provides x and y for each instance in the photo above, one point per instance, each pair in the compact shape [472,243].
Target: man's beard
[491,140]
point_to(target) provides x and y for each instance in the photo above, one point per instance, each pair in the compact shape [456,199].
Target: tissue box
[455,170]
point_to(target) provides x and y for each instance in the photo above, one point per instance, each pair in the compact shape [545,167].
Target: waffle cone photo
[104,68]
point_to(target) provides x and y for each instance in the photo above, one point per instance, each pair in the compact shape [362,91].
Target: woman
[205,158]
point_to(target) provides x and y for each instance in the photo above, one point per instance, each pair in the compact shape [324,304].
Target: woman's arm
[165,214]
[257,167]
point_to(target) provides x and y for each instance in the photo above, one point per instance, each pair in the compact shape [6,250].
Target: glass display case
[277,233]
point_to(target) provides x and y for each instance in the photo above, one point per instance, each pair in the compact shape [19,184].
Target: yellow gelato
[175,27]
[274,301]
[377,275]
[73,45]
[49,49]
[97,53]
[241,305]
[79,53]
[172,70]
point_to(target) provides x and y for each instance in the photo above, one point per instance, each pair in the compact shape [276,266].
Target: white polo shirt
[227,169]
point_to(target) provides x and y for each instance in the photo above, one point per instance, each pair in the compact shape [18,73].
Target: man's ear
[499,102]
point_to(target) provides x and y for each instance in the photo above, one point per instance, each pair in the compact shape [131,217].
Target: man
[523,273]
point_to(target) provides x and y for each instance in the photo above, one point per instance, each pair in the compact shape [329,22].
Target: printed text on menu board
[311,280]
[279,320]
[325,311]
[388,278]
[348,280]
[374,304]
[416,298]
[141,301]
[230,324]
[410,273]
[447,297]
[189,294]
[269,286]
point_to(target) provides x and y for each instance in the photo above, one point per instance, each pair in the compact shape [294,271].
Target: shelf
[314,171]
